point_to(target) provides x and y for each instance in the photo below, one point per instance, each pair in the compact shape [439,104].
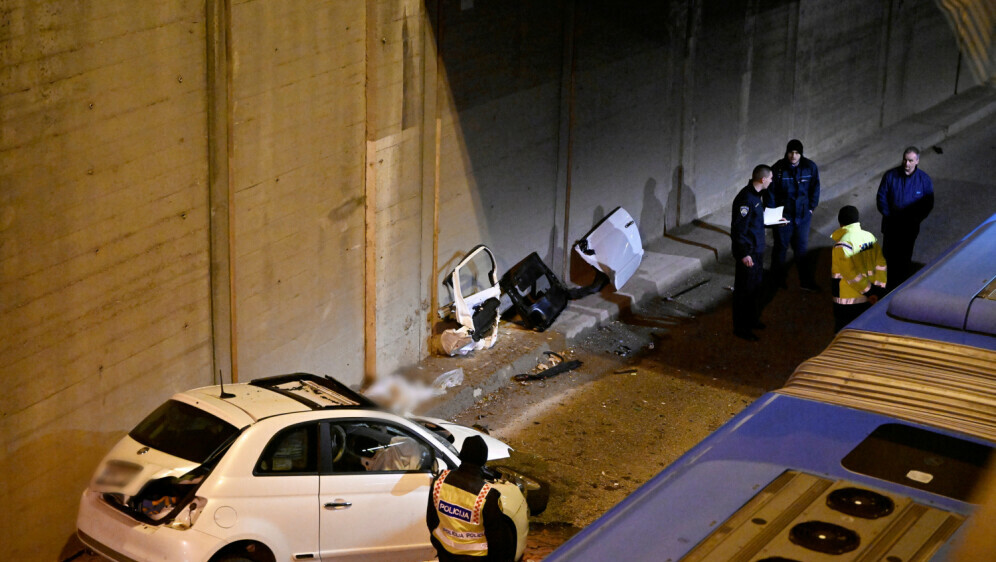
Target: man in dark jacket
[795,185]
[464,515]
[905,198]
[747,236]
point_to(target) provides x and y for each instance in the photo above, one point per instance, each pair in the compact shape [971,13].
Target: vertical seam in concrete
[743,118]
[437,128]
[886,49]
[220,192]
[569,71]
[427,248]
[791,54]
[230,147]
[369,212]
[686,134]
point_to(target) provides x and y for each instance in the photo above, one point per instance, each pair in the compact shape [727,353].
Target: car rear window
[183,431]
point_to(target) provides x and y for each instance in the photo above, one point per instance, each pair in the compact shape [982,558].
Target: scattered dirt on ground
[652,385]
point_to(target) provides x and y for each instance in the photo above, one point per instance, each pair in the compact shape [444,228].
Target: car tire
[538,496]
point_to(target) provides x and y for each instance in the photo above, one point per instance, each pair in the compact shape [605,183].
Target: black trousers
[843,314]
[796,235]
[747,294]
[897,247]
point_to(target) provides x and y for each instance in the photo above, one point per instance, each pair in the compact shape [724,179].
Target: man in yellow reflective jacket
[464,515]
[858,269]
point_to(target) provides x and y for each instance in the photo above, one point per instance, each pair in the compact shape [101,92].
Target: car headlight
[189,514]
[536,492]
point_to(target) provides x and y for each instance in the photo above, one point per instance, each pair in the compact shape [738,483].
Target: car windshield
[439,433]
[183,431]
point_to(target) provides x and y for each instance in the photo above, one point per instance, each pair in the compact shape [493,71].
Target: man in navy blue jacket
[747,236]
[796,186]
[905,198]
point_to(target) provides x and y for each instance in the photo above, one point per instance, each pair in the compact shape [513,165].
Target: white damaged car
[293,467]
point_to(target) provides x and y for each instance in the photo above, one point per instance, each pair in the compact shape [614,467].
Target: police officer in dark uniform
[795,185]
[464,516]
[747,235]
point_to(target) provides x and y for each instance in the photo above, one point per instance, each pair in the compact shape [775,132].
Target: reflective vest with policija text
[858,264]
[461,527]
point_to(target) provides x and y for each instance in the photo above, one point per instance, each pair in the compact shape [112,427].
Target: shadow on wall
[580,272]
[652,214]
[68,458]
[681,207]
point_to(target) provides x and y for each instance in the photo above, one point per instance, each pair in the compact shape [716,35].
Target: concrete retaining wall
[186,191]
[104,295]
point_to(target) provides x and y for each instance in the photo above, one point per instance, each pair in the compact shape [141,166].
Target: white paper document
[773,216]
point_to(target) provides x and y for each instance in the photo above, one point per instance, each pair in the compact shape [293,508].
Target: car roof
[242,404]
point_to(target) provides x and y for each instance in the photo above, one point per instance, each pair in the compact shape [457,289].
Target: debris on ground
[557,366]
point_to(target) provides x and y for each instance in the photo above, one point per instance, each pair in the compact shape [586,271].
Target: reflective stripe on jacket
[461,527]
[857,266]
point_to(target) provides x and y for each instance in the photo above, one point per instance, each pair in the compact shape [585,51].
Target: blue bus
[873,450]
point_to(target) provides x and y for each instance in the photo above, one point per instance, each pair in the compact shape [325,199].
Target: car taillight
[187,516]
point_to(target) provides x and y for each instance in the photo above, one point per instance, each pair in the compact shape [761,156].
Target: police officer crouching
[464,518]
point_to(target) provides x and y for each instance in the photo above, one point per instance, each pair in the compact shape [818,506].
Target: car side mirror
[438,466]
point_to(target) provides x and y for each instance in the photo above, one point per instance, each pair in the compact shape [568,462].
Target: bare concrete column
[562,261]
[222,242]
[430,170]
[686,132]
[747,75]
[370,206]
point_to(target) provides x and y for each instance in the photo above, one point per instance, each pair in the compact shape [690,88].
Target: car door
[613,246]
[373,492]
[278,500]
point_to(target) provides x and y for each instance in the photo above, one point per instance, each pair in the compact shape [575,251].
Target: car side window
[372,446]
[291,451]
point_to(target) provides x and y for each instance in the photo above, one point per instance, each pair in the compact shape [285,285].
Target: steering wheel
[339,436]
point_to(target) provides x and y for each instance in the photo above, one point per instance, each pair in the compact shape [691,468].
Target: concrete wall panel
[103,242]
[922,60]
[500,121]
[297,175]
[627,115]
[839,71]
[720,84]
[395,93]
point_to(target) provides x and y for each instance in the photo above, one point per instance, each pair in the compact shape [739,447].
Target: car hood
[129,465]
[496,449]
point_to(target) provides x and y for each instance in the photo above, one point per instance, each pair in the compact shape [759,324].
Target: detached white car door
[373,502]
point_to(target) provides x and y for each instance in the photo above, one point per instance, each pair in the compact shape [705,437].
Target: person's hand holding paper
[773,216]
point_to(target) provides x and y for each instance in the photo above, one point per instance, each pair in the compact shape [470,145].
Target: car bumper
[116,536]
[513,505]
